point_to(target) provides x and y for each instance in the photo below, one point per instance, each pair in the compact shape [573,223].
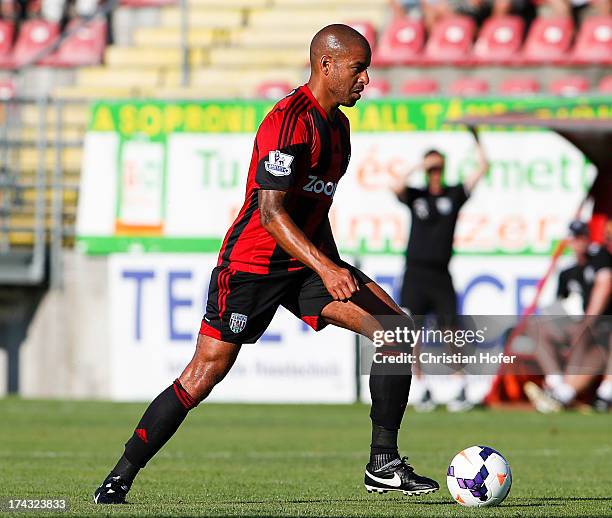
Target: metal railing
[34,223]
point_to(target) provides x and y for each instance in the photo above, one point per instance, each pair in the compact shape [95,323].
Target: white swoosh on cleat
[396,481]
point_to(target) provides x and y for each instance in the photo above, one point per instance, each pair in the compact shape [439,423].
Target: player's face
[350,75]
[579,245]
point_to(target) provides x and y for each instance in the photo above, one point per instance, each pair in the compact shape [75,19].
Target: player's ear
[325,64]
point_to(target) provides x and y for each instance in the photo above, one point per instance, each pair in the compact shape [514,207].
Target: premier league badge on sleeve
[237,322]
[279,164]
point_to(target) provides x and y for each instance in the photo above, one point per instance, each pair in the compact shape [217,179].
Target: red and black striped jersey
[300,150]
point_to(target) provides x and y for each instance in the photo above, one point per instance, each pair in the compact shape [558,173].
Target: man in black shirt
[427,285]
[590,279]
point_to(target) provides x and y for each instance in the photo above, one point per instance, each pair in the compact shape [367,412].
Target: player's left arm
[598,299]
[602,287]
[483,164]
[600,293]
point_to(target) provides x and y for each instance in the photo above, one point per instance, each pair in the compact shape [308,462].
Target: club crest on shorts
[237,322]
[279,164]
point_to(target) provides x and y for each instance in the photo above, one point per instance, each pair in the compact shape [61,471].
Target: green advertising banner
[156,119]
[170,176]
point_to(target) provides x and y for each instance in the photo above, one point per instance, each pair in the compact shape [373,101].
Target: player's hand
[339,282]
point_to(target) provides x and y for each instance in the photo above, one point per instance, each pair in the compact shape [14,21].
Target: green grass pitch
[281,460]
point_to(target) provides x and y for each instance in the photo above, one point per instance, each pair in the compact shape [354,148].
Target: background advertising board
[176,174]
[156,304]
[170,177]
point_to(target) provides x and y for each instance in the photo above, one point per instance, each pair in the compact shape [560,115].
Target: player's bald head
[339,59]
[336,40]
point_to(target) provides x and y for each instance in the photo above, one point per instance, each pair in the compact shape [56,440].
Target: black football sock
[389,398]
[383,448]
[159,422]
[126,470]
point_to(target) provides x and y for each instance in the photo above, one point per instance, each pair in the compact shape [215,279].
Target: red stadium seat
[366,29]
[548,41]
[570,85]
[273,90]
[377,88]
[519,85]
[594,41]
[401,44]
[499,40]
[7,89]
[34,36]
[84,47]
[451,41]
[424,86]
[605,85]
[7,30]
[469,86]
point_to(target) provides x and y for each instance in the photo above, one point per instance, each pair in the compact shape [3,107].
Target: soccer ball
[479,476]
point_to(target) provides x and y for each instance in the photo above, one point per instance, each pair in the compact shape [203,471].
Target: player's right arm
[283,141]
[274,218]
[399,183]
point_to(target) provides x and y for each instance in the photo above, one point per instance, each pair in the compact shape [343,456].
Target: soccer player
[280,251]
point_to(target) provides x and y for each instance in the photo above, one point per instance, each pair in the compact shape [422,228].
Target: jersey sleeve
[562,287]
[600,258]
[460,194]
[410,194]
[283,142]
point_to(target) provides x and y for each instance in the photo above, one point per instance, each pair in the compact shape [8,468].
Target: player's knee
[201,376]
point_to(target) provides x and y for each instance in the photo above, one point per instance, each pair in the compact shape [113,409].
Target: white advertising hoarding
[156,306]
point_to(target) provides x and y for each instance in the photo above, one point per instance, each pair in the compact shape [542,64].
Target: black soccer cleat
[398,475]
[112,491]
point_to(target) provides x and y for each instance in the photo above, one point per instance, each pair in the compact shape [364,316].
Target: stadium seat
[284,17]
[84,47]
[118,77]
[605,85]
[469,86]
[499,40]
[570,85]
[593,42]
[34,36]
[216,18]
[401,44]
[519,85]
[376,89]
[273,89]
[423,86]
[366,29]
[258,57]
[7,30]
[450,41]
[7,89]
[143,57]
[548,41]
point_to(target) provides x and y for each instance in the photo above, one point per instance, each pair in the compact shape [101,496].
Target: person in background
[583,341]
[427,286]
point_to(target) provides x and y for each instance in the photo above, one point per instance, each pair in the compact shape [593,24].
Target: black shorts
[241,305]
[427,290]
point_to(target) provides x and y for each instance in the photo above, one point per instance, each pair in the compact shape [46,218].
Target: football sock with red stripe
[159,422]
